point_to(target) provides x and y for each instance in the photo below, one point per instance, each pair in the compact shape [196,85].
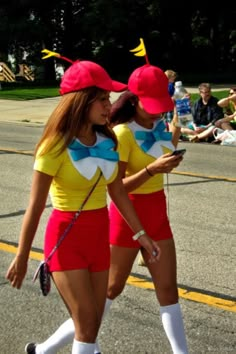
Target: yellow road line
[209,300]
[12,249]
[192,174]
[21,152]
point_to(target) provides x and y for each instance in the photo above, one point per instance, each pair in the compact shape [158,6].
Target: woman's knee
[114,290]
[167,294]
[86,330]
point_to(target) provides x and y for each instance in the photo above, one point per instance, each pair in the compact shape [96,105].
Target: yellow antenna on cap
[50,53]
[140,50]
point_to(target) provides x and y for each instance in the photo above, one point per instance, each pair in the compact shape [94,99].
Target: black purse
[44,275]
[42,272]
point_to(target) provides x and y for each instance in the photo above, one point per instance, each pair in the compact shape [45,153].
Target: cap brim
[157,106]
[118,86]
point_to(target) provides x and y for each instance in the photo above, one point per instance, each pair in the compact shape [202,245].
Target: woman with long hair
[76,148]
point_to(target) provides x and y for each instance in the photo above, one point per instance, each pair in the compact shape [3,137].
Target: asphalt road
[201,197]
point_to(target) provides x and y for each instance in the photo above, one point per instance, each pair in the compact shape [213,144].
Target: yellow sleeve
[50,162]
[125,141]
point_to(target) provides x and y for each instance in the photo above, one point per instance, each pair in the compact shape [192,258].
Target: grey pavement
[38,111]
[201,212]
[31,111]
[202,217]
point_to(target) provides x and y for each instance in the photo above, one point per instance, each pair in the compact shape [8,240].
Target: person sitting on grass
[206,112]
[228,122]
[171,75]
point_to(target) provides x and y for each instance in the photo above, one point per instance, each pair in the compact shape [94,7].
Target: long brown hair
[69,117]
[124,108]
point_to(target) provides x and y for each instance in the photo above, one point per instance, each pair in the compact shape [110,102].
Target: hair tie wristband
[138,234]
[148,172]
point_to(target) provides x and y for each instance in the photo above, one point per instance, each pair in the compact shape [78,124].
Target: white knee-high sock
[172,321]
[64,335]
[106,309]
[82,348]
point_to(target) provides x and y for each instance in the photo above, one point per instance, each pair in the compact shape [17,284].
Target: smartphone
[179,152]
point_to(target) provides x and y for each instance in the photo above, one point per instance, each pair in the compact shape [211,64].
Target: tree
[187,38]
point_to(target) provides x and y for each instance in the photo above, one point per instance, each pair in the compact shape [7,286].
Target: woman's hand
[151,247]
[16,272]
[39,191]
[226,119]
[164,164]
[199,130]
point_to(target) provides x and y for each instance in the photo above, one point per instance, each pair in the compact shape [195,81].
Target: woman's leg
[164,278]
[64,335]
[122,259]
[188,131]
[205,134]
[84,294]
[82,348]
[83,291]
[60,338]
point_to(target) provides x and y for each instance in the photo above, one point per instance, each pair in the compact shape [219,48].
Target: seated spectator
[205,113]
[171,75]
[228,122]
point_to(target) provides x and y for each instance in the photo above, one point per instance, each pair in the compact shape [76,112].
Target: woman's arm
[175,129]
[226,119]
[224,102]
[163,164]
[38,197]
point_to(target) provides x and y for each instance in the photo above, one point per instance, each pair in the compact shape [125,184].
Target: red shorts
[152,212]
[86,245]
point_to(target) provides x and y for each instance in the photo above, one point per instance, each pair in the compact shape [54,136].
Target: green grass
[46,92]
[218,94]
[21,94]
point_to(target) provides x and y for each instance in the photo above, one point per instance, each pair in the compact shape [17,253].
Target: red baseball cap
[150,84]
[84,74]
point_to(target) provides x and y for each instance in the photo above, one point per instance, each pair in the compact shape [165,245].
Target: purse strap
[75,217]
